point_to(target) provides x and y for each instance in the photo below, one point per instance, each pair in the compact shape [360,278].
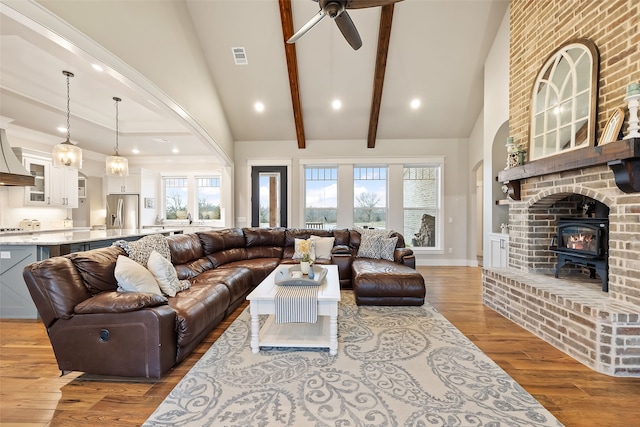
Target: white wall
[456,177]
[476,144]
[496,113]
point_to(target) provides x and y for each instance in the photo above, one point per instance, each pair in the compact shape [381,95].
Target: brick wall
[600,329]
[539,27]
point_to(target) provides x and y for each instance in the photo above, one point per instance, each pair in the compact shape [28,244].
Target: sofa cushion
[165,274]
[220,240]
[133,277]
[264,236]
[236,279]
[323,246]
[259,267]
[184,248]
[382,282]
[96,268]
[119,302]
[199,309]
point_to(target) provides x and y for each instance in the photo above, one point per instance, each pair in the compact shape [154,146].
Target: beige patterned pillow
[303,246]
[165,274]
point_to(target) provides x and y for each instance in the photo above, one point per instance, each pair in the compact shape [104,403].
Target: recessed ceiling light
[336,104]
[97,67]
[135,151]
[175,150]
[259,107]
[62,129]
[415,103]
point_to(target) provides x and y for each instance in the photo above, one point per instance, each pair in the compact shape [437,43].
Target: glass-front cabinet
[53,186]
[39,193]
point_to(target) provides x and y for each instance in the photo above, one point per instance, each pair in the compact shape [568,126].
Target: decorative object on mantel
[116,164]
[504,228]
[633,98]
[66,154]
[612,128]
[515,156]
[564,100]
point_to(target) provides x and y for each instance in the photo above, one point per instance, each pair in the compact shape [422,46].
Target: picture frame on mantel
[613,126]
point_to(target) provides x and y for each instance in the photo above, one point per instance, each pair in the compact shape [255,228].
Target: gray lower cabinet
[15,300]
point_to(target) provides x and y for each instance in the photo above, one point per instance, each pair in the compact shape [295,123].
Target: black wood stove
[584,242]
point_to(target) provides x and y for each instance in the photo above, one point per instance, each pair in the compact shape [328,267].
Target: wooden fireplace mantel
[623,157]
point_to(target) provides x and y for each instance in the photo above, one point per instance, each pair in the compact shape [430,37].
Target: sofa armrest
[405,256]
[119,302]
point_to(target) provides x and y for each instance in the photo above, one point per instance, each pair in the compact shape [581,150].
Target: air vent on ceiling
[239,55]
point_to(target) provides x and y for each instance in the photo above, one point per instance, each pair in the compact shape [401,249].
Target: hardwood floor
[33,393]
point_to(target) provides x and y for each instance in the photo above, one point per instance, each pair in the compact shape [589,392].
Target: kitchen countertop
[78,236]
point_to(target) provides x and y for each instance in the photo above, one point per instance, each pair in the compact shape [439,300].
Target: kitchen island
[19,250]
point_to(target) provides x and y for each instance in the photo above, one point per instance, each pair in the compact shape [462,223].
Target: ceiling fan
[337,10]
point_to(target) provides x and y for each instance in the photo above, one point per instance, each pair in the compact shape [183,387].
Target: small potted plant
[305,263]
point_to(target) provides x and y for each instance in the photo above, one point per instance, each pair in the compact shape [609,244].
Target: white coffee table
[322,334]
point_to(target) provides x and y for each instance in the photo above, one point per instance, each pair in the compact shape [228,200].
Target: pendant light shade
[66,154]
[116,164]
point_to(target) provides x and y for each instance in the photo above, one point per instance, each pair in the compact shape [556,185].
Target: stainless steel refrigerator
[123,211]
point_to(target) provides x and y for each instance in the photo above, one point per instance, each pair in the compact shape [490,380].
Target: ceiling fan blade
[361,4]
[348,30]
[306,27]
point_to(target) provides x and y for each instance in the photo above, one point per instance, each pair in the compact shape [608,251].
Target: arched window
[564,100]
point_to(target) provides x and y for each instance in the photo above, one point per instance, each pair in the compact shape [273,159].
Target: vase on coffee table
[304,267]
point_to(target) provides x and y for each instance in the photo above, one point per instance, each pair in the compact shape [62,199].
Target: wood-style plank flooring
[32,393]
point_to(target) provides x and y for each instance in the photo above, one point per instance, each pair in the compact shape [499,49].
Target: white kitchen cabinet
[37,195]
[63,189]
[123,184]
[499,245]
[56,187]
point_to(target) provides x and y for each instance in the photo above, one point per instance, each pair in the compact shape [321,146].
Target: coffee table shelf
[308,335]
[322,334]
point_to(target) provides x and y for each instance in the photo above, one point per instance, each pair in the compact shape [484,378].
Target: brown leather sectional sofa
[97,330]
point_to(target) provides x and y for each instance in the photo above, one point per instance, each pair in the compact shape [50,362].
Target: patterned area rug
[396,366]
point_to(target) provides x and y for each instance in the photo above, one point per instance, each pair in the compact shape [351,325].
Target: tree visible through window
[175,193]
[421,201]
[321,197]
[208,190]
[370,196]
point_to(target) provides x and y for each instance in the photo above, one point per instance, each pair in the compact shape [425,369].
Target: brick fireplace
[599,329]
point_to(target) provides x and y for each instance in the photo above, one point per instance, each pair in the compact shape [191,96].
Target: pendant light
[116,164]
[66,154]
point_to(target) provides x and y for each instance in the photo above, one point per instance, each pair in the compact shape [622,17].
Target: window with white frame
[208,193]
[370,196]
[421,205]
[321,197]
[176,195]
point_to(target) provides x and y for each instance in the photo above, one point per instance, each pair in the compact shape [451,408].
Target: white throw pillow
[132,277]
[323,246]
[302,246]
[166,275]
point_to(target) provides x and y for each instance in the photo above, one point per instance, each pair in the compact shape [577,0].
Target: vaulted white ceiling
[436,54]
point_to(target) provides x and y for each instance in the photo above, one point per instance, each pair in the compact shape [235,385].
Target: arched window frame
[563,106]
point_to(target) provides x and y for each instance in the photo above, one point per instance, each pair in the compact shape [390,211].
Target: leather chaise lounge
[95,329]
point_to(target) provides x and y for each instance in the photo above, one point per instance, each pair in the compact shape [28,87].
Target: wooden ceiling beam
[286,17]
[384,36]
